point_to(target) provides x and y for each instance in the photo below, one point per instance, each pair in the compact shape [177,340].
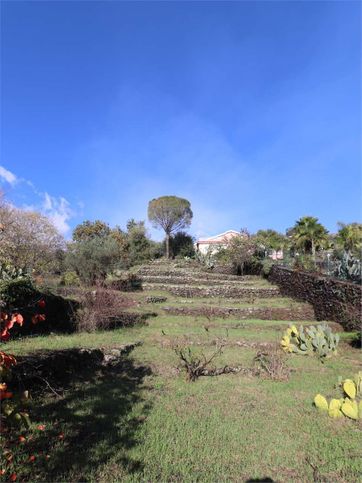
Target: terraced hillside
[191,290]
[143,420]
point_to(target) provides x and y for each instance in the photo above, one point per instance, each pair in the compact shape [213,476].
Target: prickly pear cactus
[349,405]
[8,273]
[318,340]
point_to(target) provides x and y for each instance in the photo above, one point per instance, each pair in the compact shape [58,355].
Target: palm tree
[309,235]
[349,236]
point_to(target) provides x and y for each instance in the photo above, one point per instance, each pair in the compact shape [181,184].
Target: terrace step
[302,312]
[195,280]
[194,273]
[188,291]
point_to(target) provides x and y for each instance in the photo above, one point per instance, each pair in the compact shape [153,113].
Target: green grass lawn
[144,422]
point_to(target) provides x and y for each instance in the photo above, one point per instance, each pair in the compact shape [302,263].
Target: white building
[276,254]
[213,243]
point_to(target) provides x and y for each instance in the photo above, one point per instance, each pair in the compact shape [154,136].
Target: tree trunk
[313,250]
[167,245]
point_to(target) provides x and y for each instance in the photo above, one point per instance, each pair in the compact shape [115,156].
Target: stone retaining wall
[222,291]
[304,312]
[224,269]
[179,274]
[186,280]
[332,299]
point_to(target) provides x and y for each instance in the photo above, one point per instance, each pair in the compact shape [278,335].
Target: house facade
[276,254]
[214,243]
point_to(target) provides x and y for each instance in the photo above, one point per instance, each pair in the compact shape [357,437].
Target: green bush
[70,279]
[305,262]
[182,245]
[267,264]
[16,293]
[93,259]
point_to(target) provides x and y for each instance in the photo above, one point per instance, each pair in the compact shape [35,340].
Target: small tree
[171,214]
[139,243]
[93,259]
[182,245]
[239,251]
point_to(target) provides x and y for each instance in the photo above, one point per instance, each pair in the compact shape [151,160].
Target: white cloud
[7,175]
[47,204]
[58,210]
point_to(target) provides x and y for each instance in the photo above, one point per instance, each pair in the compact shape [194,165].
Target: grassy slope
[145,422]
[213,301]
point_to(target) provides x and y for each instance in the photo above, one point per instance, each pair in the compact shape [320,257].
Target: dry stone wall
[304,312]
[332,299]
[183,273]
[218,291]
[187,280]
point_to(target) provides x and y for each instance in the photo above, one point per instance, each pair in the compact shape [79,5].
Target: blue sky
[251,110]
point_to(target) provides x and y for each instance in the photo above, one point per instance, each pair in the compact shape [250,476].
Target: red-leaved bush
[10,411]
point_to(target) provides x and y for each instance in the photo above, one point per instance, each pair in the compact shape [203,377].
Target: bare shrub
[198,364]
[104,309]
[271,364]
[195,364]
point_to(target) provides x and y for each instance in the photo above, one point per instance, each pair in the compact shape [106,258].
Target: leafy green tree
[171,214]
[349,237]
[309,235]
[96,243]
[92,259]
[270,239]
[122,239]
[132,223]
[138,242]
[90,229]
[182,244]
